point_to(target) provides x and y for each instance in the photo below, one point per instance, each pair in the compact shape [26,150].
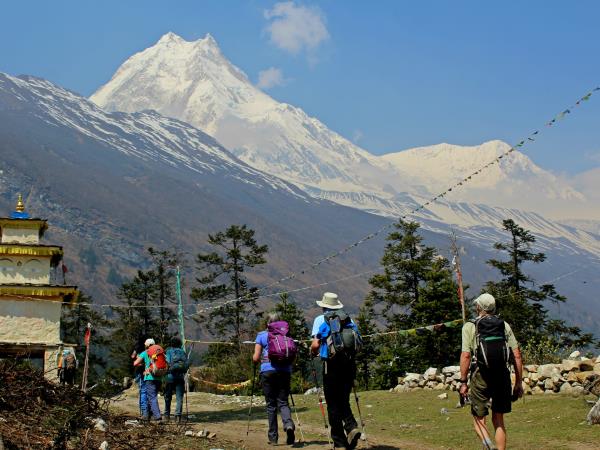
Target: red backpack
[158,362]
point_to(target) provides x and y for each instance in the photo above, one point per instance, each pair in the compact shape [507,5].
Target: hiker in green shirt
[491,344]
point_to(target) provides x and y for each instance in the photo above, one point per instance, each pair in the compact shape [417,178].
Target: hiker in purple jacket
[275,379]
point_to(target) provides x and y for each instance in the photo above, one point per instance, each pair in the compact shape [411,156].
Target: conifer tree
[520,302]
[74,320]
[405,262]
[222,277]
[365,359]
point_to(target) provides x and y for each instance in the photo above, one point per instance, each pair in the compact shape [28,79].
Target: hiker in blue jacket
[338,377]
[275,379]
[175,379]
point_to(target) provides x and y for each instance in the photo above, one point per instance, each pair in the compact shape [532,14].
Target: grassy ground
[403,421]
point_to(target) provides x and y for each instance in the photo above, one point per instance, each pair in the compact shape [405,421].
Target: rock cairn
[570,377]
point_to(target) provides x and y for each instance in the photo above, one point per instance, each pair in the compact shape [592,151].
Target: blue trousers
[143,402]
[177,386]
[152,398]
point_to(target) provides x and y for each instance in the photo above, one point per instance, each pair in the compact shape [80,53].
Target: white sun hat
[330,301]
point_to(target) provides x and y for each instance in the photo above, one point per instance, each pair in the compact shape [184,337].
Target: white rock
[568,365]
[575,354]
[412,377]
[189,433]
[578,390]
[531,367]
[566,388]
[103,446]
[450,370]
[547,370]
[548,384]
[443,396]
[538,390]
[431,373]
[99,424]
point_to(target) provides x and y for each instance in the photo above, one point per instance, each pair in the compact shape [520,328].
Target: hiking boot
[291,436]
[353,438]
[272,442]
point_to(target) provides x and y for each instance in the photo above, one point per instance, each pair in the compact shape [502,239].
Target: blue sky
[389,74]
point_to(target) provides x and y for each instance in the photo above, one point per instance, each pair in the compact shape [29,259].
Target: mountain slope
[116,183]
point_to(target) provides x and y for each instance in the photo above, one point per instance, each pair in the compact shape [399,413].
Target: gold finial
[20,205]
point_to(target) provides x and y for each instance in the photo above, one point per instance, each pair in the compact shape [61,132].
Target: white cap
[149,342]
[486,302]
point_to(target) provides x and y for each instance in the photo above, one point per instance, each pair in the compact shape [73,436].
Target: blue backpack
[340,337]
[179,361]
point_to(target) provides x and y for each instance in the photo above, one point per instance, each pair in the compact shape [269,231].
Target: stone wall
[569,377]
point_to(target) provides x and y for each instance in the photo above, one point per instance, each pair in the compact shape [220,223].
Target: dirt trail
[229,420]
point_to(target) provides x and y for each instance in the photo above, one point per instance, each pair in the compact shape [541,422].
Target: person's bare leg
[498,421]
[481,429]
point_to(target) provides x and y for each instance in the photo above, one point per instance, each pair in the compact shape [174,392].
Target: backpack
[179,362]
[492,353]
[281,348]
[70,362]
[158,362]
[343,339]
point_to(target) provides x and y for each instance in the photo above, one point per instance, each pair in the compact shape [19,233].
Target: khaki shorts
[496,388]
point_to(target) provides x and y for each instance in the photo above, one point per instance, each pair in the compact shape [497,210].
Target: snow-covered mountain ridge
[194,82]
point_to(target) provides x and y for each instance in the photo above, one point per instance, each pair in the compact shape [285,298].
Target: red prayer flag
[86,339]
[64,268]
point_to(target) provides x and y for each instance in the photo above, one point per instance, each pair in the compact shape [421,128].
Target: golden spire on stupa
[20,205]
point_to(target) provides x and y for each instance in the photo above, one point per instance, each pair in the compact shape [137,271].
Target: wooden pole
[456,264]
[88,333]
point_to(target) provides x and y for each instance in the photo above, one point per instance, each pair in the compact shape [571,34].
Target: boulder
[566,388]
[440,378]
[443,396]
[440,387]
[572,376]
[531,368]
[450,370]
[534,376]
[538,390]
[548,384]
[547,370]
[569,365]
[525,372]
[575,354]
[549,391]
[582,376]
[578,390]
[526,389]
[456,376]
[422,383]
[587,365]
[400,380]
[412,377]
[597,367]
[401,388]
[431,373]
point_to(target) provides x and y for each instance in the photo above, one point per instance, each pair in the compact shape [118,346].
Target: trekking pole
[297,418]
[314,371]
[362,422]
[251,397]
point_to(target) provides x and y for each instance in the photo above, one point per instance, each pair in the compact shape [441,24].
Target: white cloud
[295,28]
[357,135]
[270,78]
[593,156]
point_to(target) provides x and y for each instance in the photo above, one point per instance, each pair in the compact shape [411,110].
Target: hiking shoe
[353,438]
[291,436]
[272,442]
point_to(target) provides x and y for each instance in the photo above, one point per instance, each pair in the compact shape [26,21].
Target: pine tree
[365,359]
[405,262]
[223,278]
[520,302]
[146,312]
[74,320]
[415,290]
